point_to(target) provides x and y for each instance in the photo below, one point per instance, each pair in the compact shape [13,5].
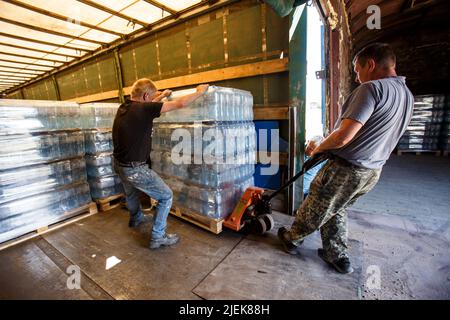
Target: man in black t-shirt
[132,130]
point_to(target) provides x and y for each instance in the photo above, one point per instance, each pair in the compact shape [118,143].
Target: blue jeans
[143,179]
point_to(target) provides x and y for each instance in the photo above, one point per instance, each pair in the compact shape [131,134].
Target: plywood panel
[65,85]
[244,33]
[206,42]
[277,31]
[129,74]
[93,81]
[252,84]
[146,61]
[15,95]
[79,82]
[107,72]
[278,88]
[173,54]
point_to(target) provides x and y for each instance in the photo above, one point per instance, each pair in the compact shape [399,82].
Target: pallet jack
[253,211]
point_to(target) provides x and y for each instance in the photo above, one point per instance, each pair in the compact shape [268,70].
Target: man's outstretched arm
[162,95]
[185,100]
[340,137]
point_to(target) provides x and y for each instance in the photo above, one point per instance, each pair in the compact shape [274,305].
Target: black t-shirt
[132,130]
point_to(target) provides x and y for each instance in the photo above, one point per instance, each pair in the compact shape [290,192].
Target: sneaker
[167,240]
[141,221]
[341,265]
[288,246]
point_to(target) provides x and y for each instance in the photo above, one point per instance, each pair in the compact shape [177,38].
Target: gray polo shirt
[384,107]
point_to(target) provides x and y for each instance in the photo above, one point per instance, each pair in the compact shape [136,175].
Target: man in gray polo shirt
[372,120]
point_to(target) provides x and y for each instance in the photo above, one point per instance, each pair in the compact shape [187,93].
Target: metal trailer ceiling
[38,36]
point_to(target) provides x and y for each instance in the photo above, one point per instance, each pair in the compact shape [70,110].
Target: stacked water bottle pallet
[445,132]
[97,120]
[42,169]
[422,134]
[206,154]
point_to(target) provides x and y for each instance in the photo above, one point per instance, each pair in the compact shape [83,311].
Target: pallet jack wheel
[258,226]
[268,219]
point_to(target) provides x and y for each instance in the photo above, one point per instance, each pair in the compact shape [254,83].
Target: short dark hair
[381,53]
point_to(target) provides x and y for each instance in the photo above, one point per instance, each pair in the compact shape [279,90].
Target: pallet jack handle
[310,163]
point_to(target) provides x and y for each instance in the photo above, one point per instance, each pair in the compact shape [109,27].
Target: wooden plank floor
[37,269]
[28,273]
[169,273]
[259,269]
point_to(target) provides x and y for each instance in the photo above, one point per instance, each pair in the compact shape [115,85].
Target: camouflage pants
[336,186]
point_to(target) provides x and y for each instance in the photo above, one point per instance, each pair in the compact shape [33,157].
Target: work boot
[134,223]
[166,240]
[289,247]
[341,265]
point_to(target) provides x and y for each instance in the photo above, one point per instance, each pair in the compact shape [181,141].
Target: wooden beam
[241,71]
[96,97]
[114,13]
[235,72]
[60,17]
[37,50]
[44,42]
[56,33]
[271,113]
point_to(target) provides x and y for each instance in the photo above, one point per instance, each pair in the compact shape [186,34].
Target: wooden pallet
[109,203]
[207,223]
[418,152]
[77,215]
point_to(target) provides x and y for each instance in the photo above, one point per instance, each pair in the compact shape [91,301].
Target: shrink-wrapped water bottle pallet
[211,224]
[75,215]
[111,202]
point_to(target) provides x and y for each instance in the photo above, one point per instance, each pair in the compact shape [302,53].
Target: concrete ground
[399,245]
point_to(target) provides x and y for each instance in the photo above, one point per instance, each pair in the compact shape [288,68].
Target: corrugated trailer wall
[238,34]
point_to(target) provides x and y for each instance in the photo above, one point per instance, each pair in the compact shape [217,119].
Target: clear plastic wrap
[218,160]
[210,175]
[98,115]
[28,181]
[23,150]
[105,186]
[27,116]
[217,104]
[210,202]
[97,141]
[422,133]
[28,214]
[230,138]
[99,165]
